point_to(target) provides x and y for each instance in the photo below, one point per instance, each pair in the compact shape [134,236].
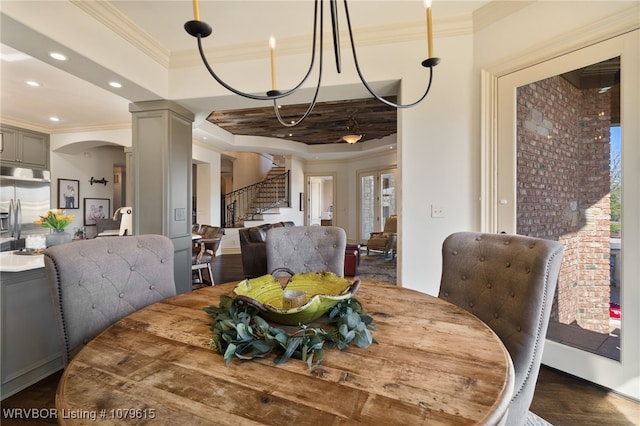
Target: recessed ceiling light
[33,83]
[58,56]
[115,84]
[53,118]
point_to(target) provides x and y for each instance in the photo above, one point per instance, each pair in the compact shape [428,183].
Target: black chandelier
[200,29]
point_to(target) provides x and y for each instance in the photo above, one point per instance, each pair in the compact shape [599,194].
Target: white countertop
[11,262]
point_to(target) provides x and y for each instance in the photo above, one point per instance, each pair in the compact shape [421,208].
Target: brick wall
[563,191]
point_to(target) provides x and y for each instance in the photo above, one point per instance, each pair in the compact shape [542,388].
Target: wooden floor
[560,399]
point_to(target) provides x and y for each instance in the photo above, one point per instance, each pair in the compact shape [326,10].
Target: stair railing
[245,203]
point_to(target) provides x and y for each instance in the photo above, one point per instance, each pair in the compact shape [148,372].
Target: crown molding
[120,24]
[112,18]
[97,127]
[53,130]
[495,11]
[8,121]
[371,36]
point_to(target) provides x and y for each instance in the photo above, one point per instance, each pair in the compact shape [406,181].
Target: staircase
[271,194]
[251,202]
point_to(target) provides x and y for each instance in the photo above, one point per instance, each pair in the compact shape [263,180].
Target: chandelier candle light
[200,30]
[272,48]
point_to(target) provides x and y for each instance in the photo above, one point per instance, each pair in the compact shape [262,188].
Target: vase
[58,236]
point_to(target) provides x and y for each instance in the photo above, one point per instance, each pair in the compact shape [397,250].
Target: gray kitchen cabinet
[30,338]
[24,148]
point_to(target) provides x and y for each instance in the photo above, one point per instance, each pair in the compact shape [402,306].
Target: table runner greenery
[239,331]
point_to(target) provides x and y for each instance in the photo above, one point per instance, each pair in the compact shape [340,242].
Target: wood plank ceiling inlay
[326,124]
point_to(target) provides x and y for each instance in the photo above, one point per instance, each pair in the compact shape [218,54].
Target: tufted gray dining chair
[508,281]
[96,282]
[304,249]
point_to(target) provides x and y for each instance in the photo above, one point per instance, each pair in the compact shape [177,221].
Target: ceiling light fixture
[33,83]
[58,56]
[200,29]
[115,84]
[353,132]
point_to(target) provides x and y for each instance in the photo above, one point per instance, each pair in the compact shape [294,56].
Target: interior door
[559,139]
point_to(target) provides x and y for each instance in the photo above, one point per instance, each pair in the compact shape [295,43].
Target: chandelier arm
[336,34]
[364,82]
[272,94]
[315,95]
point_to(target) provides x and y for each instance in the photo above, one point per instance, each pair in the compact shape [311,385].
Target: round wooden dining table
[433,363]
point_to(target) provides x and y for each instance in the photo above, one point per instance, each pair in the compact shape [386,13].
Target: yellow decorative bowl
[322,291]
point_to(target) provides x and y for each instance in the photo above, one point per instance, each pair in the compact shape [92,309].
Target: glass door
[377,200]
[562,176]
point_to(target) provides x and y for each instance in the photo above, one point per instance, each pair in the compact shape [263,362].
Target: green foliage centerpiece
[239,331]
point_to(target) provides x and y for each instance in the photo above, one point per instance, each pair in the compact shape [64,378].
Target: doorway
[561,175]
[320,200]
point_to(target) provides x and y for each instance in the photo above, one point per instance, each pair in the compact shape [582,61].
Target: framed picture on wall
[96,208]
[68,194]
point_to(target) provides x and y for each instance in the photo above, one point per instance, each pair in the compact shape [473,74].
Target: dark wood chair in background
[204,252]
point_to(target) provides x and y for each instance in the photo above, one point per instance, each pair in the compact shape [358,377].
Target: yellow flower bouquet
[55,219]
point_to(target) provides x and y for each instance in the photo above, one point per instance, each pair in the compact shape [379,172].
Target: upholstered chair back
[390,225]
[96,282]
[508,281]
[253,248]
[304,249]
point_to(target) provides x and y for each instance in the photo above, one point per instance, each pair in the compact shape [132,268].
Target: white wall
[439,163]
[208,181]
[296,177]
[97,162]
[249,168]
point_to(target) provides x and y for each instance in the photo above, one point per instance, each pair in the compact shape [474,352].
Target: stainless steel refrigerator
[30,189]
